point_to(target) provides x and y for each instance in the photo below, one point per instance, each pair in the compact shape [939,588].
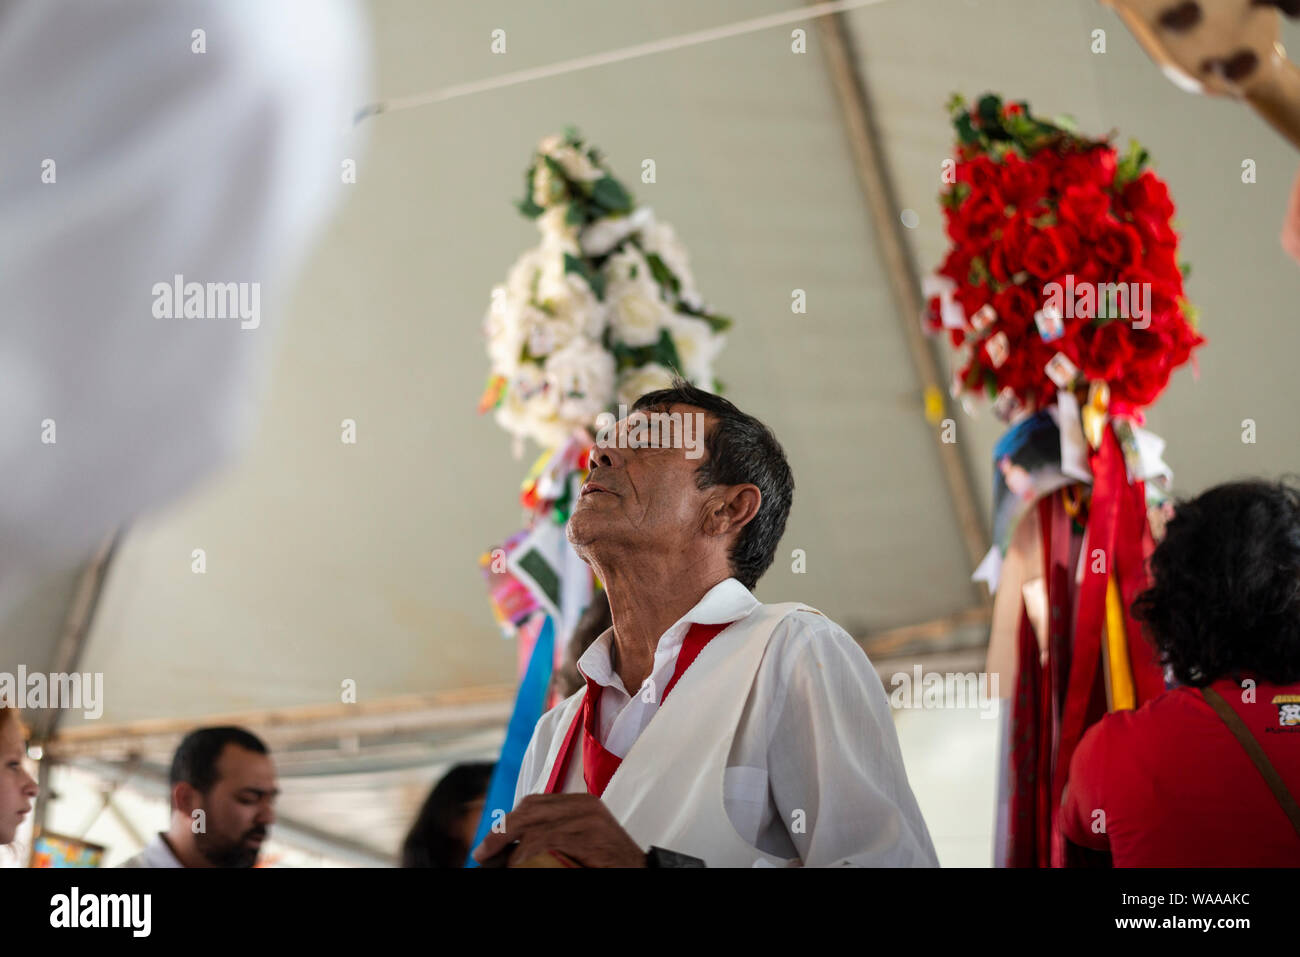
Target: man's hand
[577,825]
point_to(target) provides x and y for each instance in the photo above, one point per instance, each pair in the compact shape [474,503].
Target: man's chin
[247,857]
[241,855]
[582,527]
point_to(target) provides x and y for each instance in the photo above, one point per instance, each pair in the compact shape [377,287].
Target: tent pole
[76,627]
[870,165]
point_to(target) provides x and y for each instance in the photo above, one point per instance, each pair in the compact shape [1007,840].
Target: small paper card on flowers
[984,317]
[1061,370]
[998,349]
[951,315]
[1074,447]
[1134,464]
[1050,322]
[1006,406]
[1151,449]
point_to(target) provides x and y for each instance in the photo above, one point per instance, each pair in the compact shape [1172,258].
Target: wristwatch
[662,857]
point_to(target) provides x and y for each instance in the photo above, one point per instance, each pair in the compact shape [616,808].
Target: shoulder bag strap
[1257,755]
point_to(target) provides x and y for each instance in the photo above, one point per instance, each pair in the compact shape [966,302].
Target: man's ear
[184,797]
[733,509]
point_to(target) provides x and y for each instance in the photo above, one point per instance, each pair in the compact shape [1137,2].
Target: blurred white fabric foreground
[219,165]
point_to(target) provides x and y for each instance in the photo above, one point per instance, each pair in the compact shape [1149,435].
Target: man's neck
[183,849]
[645,603]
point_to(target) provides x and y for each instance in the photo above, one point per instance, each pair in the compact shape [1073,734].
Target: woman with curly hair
[17,787]
[1206,774]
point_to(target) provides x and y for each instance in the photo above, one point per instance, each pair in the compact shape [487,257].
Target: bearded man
[223,791]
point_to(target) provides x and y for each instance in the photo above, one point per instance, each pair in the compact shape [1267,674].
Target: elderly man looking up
[713,729]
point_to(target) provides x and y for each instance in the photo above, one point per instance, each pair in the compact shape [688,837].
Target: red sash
[599,765]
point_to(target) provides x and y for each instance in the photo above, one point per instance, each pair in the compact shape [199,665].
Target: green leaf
[594,279]
[1131,164]
[1066,122]
[526,205]
[662,351]
[717,323]
[990,110]
[610,194]
[663,275]
[991,120]
[559,181]
[630,357]
[576,214]
[966,132]
[665,352]
[955,196]
[528,208]
[1021,127]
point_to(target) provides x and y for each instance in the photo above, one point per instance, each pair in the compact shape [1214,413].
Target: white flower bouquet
[601,311]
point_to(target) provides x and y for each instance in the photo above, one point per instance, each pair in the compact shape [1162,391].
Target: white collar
[725,602]
[157,853]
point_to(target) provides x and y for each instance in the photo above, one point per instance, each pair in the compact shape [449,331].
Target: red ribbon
[1117,525]
[598,764]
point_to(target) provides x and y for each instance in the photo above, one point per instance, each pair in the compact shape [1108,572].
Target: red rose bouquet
[1064,290]
[1063,269]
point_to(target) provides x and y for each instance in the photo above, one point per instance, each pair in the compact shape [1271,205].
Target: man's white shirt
[815,771]
[157,853]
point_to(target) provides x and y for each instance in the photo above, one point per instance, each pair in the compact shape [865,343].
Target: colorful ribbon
[530,703]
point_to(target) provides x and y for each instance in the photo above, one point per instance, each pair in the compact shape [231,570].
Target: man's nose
[605,456]
[31,788]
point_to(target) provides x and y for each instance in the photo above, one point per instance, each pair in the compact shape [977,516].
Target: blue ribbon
[530,702]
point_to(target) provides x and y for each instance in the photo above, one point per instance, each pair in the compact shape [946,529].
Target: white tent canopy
[328,562]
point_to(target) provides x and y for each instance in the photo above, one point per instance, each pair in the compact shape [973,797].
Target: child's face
[17,787]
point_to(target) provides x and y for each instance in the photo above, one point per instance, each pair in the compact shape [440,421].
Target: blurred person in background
[147,144]
[442,834]
[17,788]
[223,791]
[1206,774]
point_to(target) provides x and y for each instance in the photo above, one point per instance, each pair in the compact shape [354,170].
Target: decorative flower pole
[1063,290]
[603,310]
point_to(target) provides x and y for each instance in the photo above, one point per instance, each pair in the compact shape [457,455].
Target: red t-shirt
[1176,787]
